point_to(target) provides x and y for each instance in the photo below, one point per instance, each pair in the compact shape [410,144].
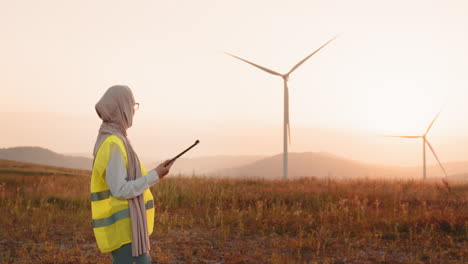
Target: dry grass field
[45,218]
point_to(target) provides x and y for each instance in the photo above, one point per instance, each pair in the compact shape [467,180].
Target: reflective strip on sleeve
[125,213]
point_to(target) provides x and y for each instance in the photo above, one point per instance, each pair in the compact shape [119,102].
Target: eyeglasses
[136,106]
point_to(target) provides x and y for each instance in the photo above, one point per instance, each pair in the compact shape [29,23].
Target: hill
[44,156]
[319,165]
[323,165]
[9,167]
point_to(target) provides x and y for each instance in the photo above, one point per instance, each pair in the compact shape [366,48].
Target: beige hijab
[115,108]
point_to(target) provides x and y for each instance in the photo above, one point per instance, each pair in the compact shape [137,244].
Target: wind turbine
[426,142]
[286,129]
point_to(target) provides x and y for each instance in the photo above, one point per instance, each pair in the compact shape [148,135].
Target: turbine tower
[286,127]
[426,142]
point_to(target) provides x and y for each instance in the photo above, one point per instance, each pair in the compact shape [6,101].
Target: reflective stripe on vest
[98,196]
[119,215]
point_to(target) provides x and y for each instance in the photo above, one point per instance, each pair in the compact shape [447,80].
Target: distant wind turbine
[286,129]
[425,141]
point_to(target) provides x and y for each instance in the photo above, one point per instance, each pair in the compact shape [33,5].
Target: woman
[121,202]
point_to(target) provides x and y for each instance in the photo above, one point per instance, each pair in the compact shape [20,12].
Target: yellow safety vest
[111,216]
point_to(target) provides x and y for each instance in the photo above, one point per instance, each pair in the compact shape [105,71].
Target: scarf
[116,109]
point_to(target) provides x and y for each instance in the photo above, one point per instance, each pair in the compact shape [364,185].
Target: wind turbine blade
[286,94]
[312,54]
[256,65]
[437,158]
[405,136]
[432,123]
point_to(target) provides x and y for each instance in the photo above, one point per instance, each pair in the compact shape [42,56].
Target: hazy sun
[400,110]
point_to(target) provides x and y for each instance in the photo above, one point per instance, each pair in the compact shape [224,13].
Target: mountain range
[305,164]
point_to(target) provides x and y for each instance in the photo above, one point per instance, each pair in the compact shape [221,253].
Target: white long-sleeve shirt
[116,177]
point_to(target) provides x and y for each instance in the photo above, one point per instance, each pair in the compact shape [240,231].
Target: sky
[394,66]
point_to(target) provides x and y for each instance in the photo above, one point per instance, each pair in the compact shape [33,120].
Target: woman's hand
[163,169]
